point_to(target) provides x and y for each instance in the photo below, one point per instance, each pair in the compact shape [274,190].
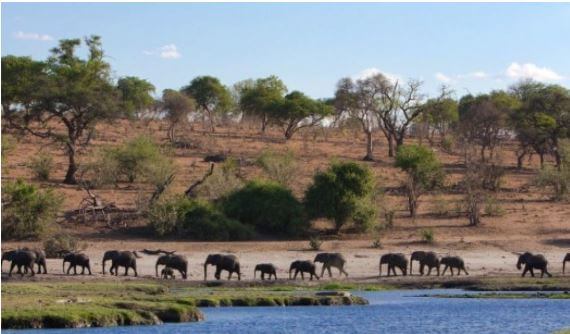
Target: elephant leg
[465,270]
[45,268]
[31,266]
[135,270]
[323,270]
[11,268]
[74,269]
[421,268]
[39,268]
[230,275]
[531,271]
[329,270]
[444,270]
[89,269]
[68,269]
[343,271]
[524,271]
[429,271]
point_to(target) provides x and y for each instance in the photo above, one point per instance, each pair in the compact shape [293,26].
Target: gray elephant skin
[265,269]
[126,259]
[172,261]
[329,260]
[566,259]
[21,258]
[74,260]
[109,256]
[531,262]
[426,259]
[453,262]
[393,261]
[167,273]
[230,263]
[303,267]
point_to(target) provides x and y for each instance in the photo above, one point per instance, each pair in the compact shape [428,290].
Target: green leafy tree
[64,98]
[558,178]
[268,206]
[177,108]
[297,111]
[256,99]
[424,172]
[135,94]
[211,97]
[342,193]
[440,116]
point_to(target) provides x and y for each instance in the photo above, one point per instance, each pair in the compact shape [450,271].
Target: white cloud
[368,72]
[32,36]
[531,71]
[169,51]
[442,77]
[479,75]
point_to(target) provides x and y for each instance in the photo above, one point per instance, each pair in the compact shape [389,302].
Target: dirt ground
[530,220]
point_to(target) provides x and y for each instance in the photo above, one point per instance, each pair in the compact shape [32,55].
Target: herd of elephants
[26,258]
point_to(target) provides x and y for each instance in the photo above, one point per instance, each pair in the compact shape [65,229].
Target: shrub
[447,144]
[279,167]
[427,235]
[60,242]
[557,179]
[492,207]
[267,206]
[223,180]
[315,243]
[389,217]
[194,219]
[27,212]
[441,207]
[342,193]
[377,243]
[42,165]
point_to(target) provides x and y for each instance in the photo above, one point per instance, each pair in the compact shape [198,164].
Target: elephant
[7,256]
[394,260]
[178,262]
[329,260]
[127,259]
[229,263]
[531,262]
[265,268]
[566,259]
[429,259]
[76,259]
[167,273]
[453,262]
[108,256]
[303,267]
[21,258]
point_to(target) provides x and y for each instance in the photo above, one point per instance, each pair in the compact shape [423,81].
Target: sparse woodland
[260,160]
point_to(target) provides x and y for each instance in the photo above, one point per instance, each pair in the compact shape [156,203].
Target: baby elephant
[531,262]
[303,267]
[167,273]
[265,268]
[453,262]
[76,259]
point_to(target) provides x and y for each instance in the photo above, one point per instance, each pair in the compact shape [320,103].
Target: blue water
[388,312]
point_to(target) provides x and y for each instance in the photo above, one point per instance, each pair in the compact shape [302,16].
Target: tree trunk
[391,150]
[474,211]
[71,167]
[263,123]
[369,147]
[412,200]
[520,158]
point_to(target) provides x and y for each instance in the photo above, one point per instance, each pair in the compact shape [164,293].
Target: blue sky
[469,47]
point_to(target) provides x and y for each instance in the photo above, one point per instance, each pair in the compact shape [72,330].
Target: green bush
[428,236]
[60,242]
[42,165]
[492,207]
[197,220]
[279,167]
[558,179]
[223,180]
[267,206]
[27,212]
[315,243]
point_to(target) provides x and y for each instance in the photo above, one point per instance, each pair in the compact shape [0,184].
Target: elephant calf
[265,269]
[429,259]
[532,261]
[167,273]
[230,263]
[329,260]
[453,262]
[566,259]
[74,260]
[303,267]
[172,261]
[394,260]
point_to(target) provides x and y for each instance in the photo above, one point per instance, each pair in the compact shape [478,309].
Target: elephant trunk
[156,269]
[63,267]
[104,266]
[205,271]
[254,272]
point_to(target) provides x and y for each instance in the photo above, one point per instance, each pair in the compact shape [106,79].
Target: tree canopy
[211,97]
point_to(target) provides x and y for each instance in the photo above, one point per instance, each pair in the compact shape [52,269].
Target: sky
[471,48]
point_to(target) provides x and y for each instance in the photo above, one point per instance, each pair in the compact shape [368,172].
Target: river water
[388,312]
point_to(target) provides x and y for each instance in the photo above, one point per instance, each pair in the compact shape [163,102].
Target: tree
[558,179]
[257,98]
[22,77]
[177,108]
[210,95]
[342,193]
[297,111]
[135,94]
[66,100]
[424,172]
[439,116]
[359,100]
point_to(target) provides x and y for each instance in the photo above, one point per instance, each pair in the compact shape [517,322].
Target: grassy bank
[514,295]
[88,304]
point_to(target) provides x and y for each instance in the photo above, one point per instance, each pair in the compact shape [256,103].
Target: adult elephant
[303,267]
[178,262]
[7,255]
[566,259]
[126,259]
[265,269]
[329,260]
[393,261]
[429,259]
[109,256]
[74,260]
[531,262]
[40,259]
[230,263]
[453,262]
[22,258]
